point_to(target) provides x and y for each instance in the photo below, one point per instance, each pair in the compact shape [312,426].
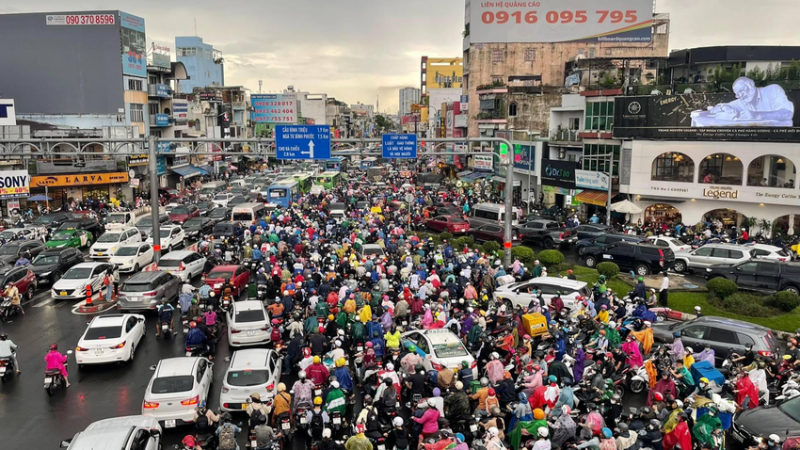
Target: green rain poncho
[704,427]
[474,334]
[532,427]
[612,335]
[336,401]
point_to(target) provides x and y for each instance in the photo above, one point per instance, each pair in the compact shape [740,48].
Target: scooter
[54,379]
[790,390]
[7,368]
[165,329]
[7,310]
[195,350]
[639,380]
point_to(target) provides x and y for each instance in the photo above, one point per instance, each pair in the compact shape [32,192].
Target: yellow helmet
[340,362]
[316,360]
[704,380]
[317,400]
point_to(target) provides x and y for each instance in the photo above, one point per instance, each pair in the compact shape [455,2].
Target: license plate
[381,447]
[360,348]
[48,380]
[99,351]
[303,420]
[2,370]
[188,353]
[337,420]
[473,428]
[251,332]
[169,423]
[317,392]
[169,272]
[405,322]
[286,426]
[63,293]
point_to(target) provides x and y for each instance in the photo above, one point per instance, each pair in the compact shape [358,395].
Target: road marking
[60,304]
[44,303]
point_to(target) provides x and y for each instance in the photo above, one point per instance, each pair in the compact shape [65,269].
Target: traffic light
[503,150]
[225,117]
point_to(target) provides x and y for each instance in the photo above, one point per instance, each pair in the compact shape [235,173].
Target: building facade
[204,64]
[408,97]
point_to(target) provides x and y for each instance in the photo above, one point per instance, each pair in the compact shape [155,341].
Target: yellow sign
[444,73]
[80,179]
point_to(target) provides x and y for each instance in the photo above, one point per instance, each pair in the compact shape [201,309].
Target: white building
[368,109]
[313,106]
[409,96]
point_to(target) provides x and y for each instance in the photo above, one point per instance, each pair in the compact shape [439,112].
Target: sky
[356,51]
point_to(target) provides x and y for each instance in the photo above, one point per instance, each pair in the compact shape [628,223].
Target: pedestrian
[108,282]
[663,293]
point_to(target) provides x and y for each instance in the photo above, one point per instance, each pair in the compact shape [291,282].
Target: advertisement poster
[161,55]
[556,172]
[134,45]
[444,76]
[748,113]
[560,21]
[274,108]
[483,162]
[14,184]
[589,179]
[80,179]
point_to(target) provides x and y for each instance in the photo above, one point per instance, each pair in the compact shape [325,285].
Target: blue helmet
[676,334]
[606,433]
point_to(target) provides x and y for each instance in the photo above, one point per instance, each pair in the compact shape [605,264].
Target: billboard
[556,172]
[524,156]
[559,21]
[180,110]
[749,113]
[14,184]
[161,55]
[274,108]
[80,19]
[8,115]
[483,162]
[589,179]
[442,76]
[134,45]
[80,179]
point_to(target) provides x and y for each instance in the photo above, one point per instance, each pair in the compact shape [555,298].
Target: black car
[227,230]
[643,259]
[219,214]
[11,252]
[53,221]
[83,223]
[237,200]
[604,240]
[145,224]
[205,207]
[197,227]
[52,263]
[782,419]
[591,230]
[760,275]
[547,233]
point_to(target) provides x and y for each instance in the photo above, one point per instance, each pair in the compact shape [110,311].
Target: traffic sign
[399,145]
[303,141]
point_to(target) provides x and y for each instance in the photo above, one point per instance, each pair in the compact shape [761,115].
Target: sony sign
[8,114]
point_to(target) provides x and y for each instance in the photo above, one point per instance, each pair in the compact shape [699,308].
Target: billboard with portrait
[134,45]
[749,113]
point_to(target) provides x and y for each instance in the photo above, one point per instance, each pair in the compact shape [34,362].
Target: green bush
[721,287]
[525,255]
[744,303]
[551,258]
[491,247]
[784,300]
[609,269]
[446,236]
[463,241]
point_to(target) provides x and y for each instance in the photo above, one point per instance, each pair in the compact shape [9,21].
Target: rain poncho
[595,422]
[646,338]
[665,387]
[704,427]
[563,429]
[759,379]
[746,390]
[680,435]
[522,413]
[706,355]
[631,348]
[676,352]
[577,369]
[494,371]
[613,337]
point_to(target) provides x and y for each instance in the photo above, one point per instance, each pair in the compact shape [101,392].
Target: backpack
[316,421]
[201,424]
[372,420]
[227,440]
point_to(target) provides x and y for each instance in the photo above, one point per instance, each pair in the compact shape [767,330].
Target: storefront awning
[498,179]
[464,173]
[476,175]
[186,171]
[206,168]
[199,169]
[592,197]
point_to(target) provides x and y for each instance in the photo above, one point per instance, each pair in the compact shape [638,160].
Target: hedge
[551,258]
[525,255]
[491,247]
[722,287]
[784,300]
[609,269]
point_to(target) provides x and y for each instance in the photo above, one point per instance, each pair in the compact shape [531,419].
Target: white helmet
[335,384]
[389,366]
[326,433]
[302,374]
[495,355]
[211,293]
[493,432]
[543,433]
[398,421]
[431,402]
[338,343]
[774,438]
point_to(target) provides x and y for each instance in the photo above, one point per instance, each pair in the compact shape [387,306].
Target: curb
[96,307]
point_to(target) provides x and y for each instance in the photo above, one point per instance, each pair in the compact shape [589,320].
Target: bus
[304,181]
[336,164]
[283,193]
[368,163]
[328,180]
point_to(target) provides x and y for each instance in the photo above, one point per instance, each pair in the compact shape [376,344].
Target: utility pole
[154,198]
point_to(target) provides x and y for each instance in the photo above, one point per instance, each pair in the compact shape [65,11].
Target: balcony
[238,105]
[159,90]
[494,116]
[566,137]
[159,120]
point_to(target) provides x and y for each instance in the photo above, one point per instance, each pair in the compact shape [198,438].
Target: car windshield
[62,235]
[180,210]
[127,251]
[255,315]
[220,274]
[170,262]
[117,218]
[78,273]
[217,212]
[164,233]
[791,408]
[373,251]
[44,260]
[193,223]
[221,197]
[247,377]
[223,228]
[457,220]
[9,250]
[109,237]
[135,287]
[675,242]
[168,385]
[449,350]
[44,220]
[95,333]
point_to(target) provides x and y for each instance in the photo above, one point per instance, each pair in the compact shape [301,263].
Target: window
[137,112]
[624,250]
[747,268]
[599,116]
[720,168]
[720,253]
[735,254]
[512,109]
[695,332]
[722,335]
[530,54]
[135,85]
[591,53]
[771,170]
[745,339]
[703,251]
[152,108]
[208,54]
[608,51]
[497,79]
[497,56]
[422,344]
[672,167]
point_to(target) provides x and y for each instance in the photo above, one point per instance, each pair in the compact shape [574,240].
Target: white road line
[60,304]
[44,303]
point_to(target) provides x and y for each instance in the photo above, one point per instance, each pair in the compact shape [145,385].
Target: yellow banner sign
[80,179]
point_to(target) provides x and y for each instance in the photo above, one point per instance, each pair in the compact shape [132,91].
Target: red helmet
[658,396]
[537,368]
[491,391]
[192,324]
[369,344]
[53,347]
[189,441]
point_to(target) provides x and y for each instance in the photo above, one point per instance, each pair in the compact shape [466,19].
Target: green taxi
[70,237]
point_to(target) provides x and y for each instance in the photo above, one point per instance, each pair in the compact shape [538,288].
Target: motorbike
[300,418]
[638,380]
[261,292]
[466,425]
[337,420]
[7,310]
[7,368]
[166,332]
[185,323]
[790,390]
[285,428]
[54,379]
[195,350]
[252,440]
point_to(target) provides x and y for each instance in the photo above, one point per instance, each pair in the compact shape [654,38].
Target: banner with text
[14,184]
[274,108]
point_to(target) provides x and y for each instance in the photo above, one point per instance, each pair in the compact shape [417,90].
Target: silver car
[711,255]
[145,290]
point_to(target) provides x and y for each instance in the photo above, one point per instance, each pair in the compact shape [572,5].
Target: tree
[756,74]
[383,123]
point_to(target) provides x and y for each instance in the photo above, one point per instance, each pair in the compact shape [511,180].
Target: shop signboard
[556,172]
[524,156]
[483,162]
[590,179]
[180,110]
[161,165]
[162,120]
[161,55]
[80,179]
[14,184]
[134,45]
[138,160]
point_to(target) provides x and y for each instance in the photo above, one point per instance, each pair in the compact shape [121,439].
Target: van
[248,212]
[124,219]
[491,213]
[210,189]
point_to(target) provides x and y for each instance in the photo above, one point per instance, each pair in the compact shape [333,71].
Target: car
[711,255]
[516,294]
[770,252]
[759,275]
[451,224]
[51,263]
[250,371]
[184,264]
[122,433]
[248,323]
[643,259]
[239,276]
[603,240]
[238,199]
[668,242]
[223,198]
[722,333]
[28,233]
[72,285]
[227,230]
[444,349]
[489,232]
[108,243]
[12,251]
[547,233]
[54,220]
[171,237]
[69,238]
[181,214]
[449,211]
[144,290]
[83,221]
[371,250]
[177,387]
[197,227]
[132,257]
[111,338]
[145,224]
[219,214]
[752,425]
[205,207]
[170,194]
[22,277]
[590,231]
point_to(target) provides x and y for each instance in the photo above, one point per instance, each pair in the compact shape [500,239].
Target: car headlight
[128,263]
[45,274]
[708,269]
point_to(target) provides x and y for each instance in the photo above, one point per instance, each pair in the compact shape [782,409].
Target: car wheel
[548,243]
[136,267]
[31,291]
[55,276]
[642,270]
[169,248]
[591,261]
[680,266]
[792,289]
[133,351]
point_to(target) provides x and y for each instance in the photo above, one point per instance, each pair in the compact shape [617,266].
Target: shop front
[78,187]
[556,173]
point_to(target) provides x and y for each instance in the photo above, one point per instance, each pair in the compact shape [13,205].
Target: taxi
[70,237]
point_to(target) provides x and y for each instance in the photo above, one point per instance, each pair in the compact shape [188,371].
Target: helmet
[256,396]
[495,355]
[492,392]
[538,414]
[606,432]
[340,362]
[437,392]
[658,396]
[704,380]
[53,347]
[316,360]
[387,381]
[398,421]
[3,336]
[459,385]
[689,350]
[484,381]
[774,438]
[326,432]
[301,374]
[542,431]
[464,364]
[431,402]
[226,417]
[493,432]
[389,366]
[335,384]
[317,400]
[275,321]
[460,437]
[367,399]
[189,441]
[281,387]
[369,344]
[676,334]
[622,426]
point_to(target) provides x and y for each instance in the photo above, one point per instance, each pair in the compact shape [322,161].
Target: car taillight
[661,257]
[234,331]
[264,328]
[271,386]
[192,401]
[181,267]
[81,349]
[120,345]
[150,294]
[150,405]
[473,365]
[561,235]
[225,390]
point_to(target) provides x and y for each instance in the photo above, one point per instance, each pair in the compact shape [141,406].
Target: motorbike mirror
[227,359]
[69,352]
[65,443]
[153,368]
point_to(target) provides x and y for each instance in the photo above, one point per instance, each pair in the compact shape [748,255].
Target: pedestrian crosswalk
[42,301]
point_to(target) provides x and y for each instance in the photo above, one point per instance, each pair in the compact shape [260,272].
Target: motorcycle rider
[256,408]
[303,390]
[457,403]
[12,293]
[226,434]
[55,361]
[282,403]
[205,419]
[8,350]
[359,441]
[165,312]
[317,372]
[196,337]
[316,419]
[264,433]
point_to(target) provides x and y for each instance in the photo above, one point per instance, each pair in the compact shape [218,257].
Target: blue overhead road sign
[303,141]
[399,145]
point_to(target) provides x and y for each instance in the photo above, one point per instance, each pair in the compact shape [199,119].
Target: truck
[545,233]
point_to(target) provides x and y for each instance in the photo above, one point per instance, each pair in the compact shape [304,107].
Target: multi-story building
[408,97]
[205,65]
[440,73]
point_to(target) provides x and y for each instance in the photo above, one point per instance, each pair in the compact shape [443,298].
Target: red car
[21,277]
[170,194]
[489,232]
[452,224]
[239,276]
[181,214]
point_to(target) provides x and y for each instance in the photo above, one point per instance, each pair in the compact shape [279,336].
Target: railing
[565,135]
[495,114]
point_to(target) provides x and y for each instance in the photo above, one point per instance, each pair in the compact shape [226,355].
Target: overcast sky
[355,50]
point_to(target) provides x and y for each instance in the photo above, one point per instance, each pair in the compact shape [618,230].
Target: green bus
[304,182]
[328,180]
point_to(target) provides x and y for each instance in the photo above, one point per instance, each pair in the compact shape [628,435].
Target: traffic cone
[88,295]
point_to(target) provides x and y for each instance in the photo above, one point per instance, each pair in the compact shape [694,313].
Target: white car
[31,232]
[110,338]
[171,237]
[669,242]
[72,285]
[184,264]
[107,244]
[123,433]
[443,349]
[222,199]
[250,371]
[516,294]
[132,257]
[770,252]
[177,387]
[372,250]
[248,324]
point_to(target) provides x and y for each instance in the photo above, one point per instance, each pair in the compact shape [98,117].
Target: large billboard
[749,113]
[448,74]
[274,108]
[14,184]
[134,45]
[556,172]
[560,21]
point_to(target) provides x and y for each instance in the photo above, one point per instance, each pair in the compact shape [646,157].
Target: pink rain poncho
[631,348]
[494,371]
[595,422]
[427,320]
[55,361]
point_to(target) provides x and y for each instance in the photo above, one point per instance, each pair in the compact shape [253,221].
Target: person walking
[663,293]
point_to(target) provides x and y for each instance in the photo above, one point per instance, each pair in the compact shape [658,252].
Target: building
[440,73]
[408,97]
[204,64]
[369,110]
